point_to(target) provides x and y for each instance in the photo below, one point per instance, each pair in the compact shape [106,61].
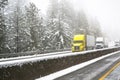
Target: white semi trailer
[90,42]
[101,43]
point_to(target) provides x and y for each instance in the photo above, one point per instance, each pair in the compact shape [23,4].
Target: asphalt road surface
[96,71]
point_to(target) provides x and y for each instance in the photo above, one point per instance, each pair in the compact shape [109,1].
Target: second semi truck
[101,42]
[83,42]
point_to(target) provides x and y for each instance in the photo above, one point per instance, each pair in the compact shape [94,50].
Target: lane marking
[107,73]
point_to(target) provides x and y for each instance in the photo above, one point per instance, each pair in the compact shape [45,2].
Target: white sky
[106,11]
[42,4]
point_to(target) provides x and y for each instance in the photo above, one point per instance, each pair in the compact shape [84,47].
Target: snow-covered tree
[60,23]
[15,20]
[24,28]
[34,23]
[3,3]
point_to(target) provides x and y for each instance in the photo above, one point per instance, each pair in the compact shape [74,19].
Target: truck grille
[76,47]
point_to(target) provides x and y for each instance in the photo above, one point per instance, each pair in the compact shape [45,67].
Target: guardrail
[31,71]
[8,55]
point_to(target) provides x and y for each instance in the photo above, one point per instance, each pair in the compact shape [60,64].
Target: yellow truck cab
[83,42]
[78,43]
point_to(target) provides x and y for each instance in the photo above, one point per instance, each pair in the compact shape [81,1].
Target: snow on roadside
[8,62]
[73,68]
[20,57]
[18,61]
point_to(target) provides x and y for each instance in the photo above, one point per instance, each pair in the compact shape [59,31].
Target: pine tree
[34,22]
[60,23]
[16,30]
[2,26]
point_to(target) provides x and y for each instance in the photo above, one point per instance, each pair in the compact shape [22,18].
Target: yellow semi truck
[83,42]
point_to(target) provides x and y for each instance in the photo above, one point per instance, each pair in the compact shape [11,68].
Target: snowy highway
[90,70]
[42,65]
[38,57]
[59,40]
[113,73]
[96,70]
